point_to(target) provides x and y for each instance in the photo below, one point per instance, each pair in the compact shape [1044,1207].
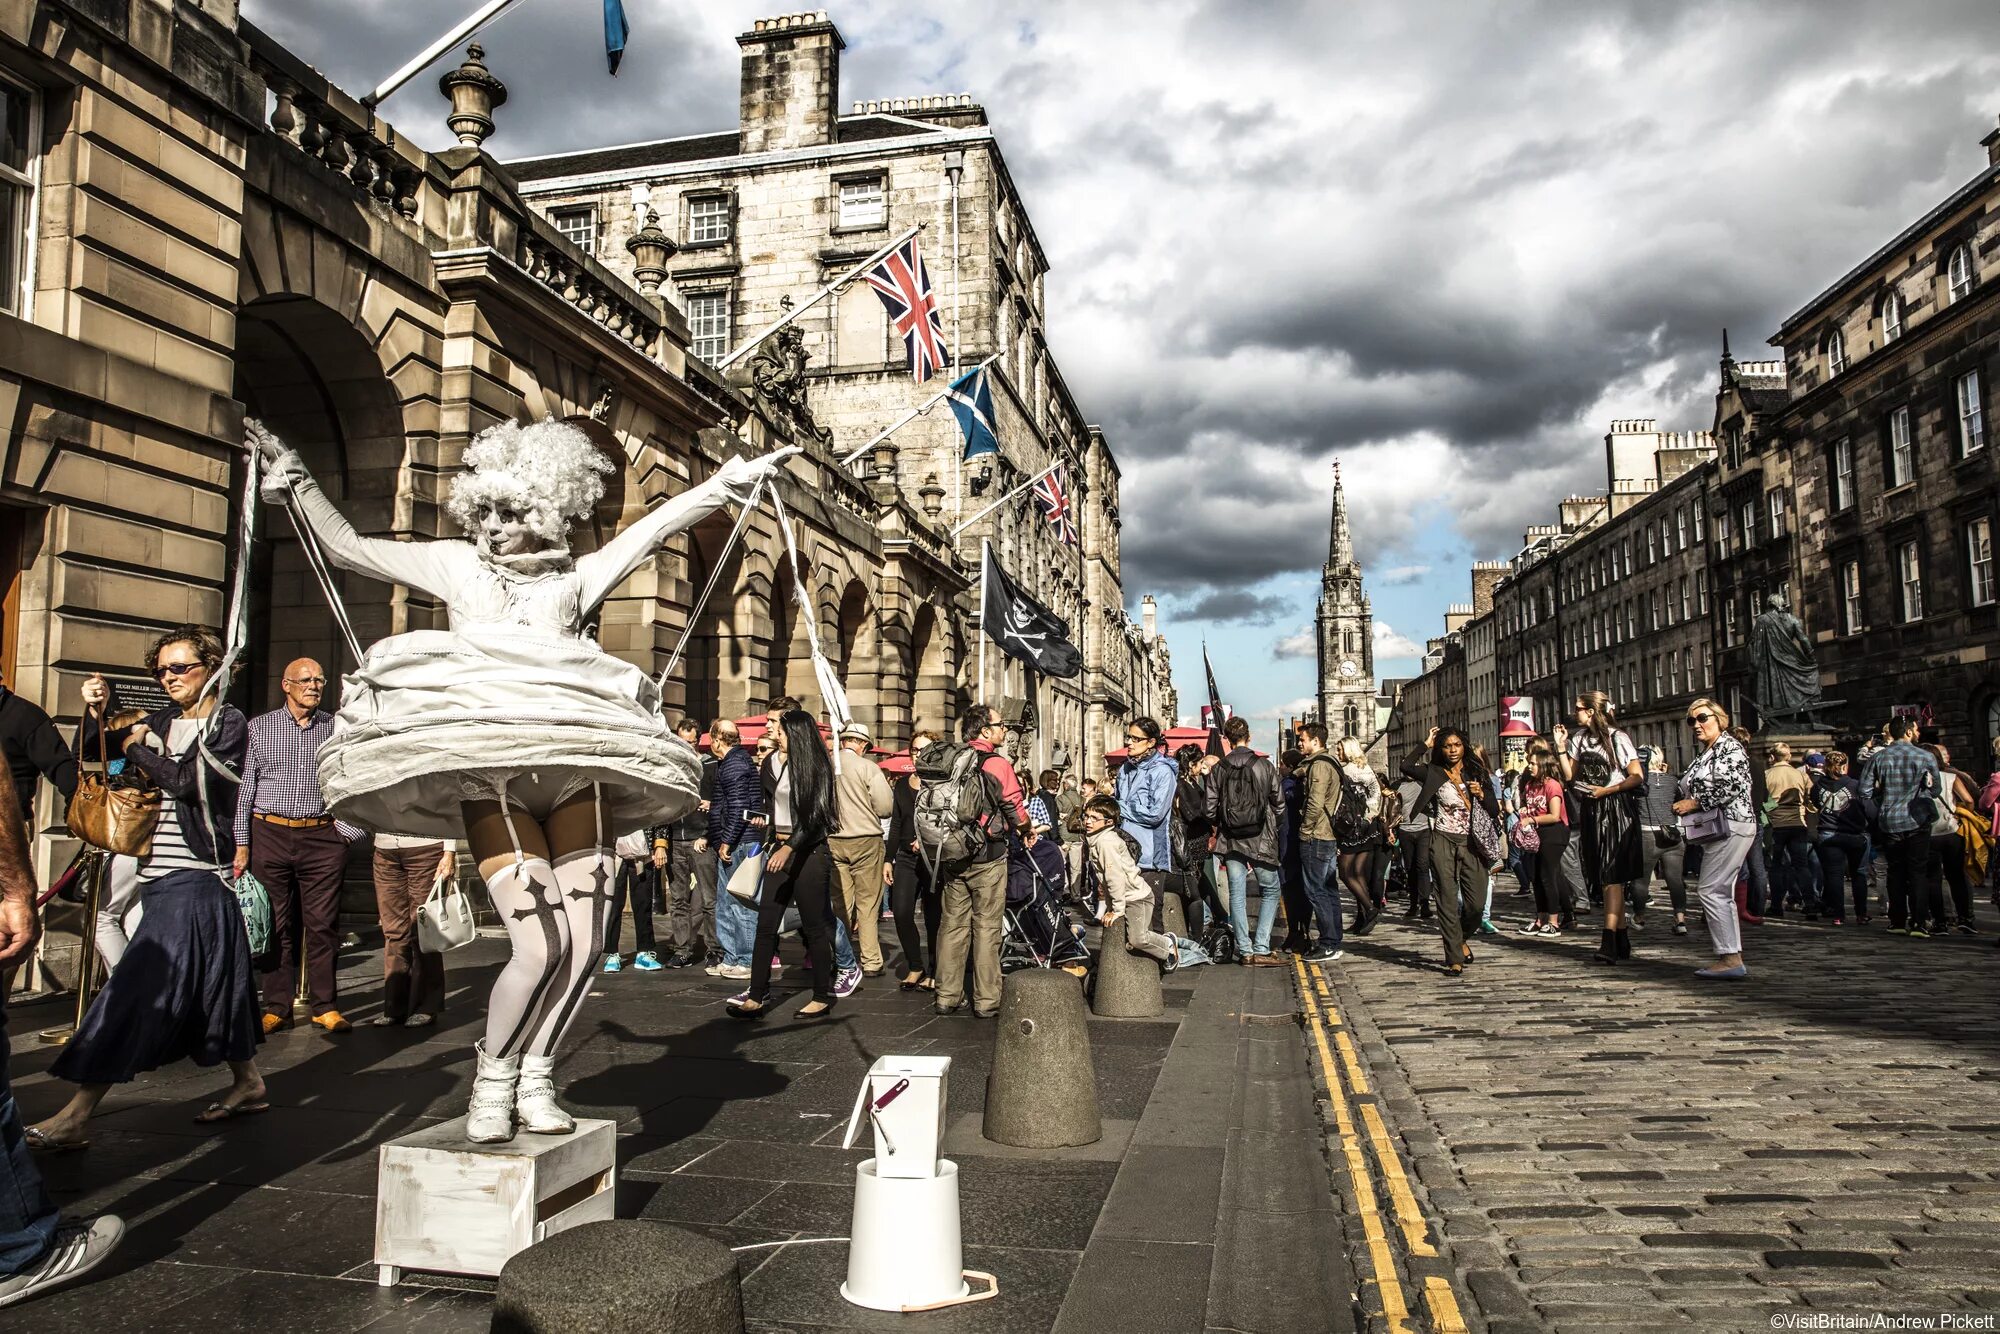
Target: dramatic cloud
[1446,252]
[1303,644]
[1397,576]
[1389,643]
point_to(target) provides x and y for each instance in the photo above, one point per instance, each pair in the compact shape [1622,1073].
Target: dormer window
[1892,318]
[1958,272]
[1836,354]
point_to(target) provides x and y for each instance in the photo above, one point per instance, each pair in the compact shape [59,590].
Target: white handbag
[746,872]
[445,921]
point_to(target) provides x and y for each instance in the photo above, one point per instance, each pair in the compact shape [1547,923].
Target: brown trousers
[412,981]
[300,869]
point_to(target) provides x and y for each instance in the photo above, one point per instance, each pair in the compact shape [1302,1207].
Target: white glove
[739,476]
[282,464]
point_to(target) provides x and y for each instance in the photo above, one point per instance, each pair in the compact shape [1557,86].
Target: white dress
[512,697]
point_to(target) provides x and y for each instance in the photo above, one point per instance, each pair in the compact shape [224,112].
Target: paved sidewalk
[1631,1148]
[1204,1207]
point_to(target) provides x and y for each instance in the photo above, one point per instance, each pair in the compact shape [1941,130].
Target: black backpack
[1243,806]
[1350,811]
[955,805]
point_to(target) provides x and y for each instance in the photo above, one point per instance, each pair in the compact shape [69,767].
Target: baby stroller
[1040,933]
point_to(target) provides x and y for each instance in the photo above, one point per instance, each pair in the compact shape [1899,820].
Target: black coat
[186,779]
[1418,769]
[34,749]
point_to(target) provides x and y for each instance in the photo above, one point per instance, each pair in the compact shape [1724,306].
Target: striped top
[171,852]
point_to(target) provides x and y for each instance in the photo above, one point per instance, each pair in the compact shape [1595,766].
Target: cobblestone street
[1632,1148]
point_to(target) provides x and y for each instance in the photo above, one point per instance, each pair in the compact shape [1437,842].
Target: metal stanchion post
[95,875]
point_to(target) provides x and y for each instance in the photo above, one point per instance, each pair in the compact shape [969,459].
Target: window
[1697,522]
[1958,272]
[1659,679]
[1653,611]
[708,220]
[1901,465]
[862,203]
[1910,575]
[708,324]
[1707,667]
[1850,598]
[1836,354]
[1685,609]
[578,226]
[1681,529]
[1674,670]
[1701,592]
[18,130]
[1722,532]
[1979,562]
[1775,499]
[1749,513]
[1729,623]
[1843,473]
[1892,318]
[1652,545]
[1971,415]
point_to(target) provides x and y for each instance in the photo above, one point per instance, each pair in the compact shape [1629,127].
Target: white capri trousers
[1720,861]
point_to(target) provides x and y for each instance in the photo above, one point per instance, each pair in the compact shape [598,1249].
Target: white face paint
[504,531]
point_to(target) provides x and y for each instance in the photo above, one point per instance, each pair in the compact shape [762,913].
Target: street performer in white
[512,723]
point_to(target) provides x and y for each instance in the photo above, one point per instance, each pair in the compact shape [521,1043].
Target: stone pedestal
[1042,1092]
[1173,917]
[444,1204]
[628,1276]
[1128,984]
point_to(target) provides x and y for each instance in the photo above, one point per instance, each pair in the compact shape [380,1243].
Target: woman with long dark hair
[798,793]
[1452,783]
[1601,766]
[1541,806]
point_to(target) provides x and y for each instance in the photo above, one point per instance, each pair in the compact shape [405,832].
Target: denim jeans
[1843,863]
[27,1216]
[735,922]
[1319,858]
[1239,872]
[844,957]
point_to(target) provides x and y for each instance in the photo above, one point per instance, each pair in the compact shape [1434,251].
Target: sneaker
[1899,930]
[1322,954]
[647,962]
[1916,933]
[79,1248]
[1487,928]
[384,1021]
[1554,929]
[1680,928]
[682,959]
[331,1021]
[777,968]
[734,972]
[1838,922]
[846,982]
[613,964]
[739,997]
[420,1019]
[1967,929]
[1533,929]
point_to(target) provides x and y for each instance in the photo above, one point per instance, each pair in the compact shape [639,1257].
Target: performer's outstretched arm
[606,568]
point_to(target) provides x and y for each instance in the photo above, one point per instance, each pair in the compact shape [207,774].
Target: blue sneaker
[647,962]
[613,964]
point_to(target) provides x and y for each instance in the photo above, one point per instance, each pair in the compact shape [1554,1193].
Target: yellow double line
[1445,1316]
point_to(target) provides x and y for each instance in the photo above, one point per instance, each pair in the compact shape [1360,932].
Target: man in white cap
[862,801]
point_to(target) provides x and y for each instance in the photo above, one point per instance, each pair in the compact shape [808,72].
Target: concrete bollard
[1042,1091]
[1173,917]
[624,1275]
[1128,984]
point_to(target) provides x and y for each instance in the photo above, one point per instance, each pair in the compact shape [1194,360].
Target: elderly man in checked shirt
[285,838]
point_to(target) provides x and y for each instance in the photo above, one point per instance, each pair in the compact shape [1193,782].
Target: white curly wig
[549,471]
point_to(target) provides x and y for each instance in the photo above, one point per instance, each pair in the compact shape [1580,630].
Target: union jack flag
[1052,494]
[904,285]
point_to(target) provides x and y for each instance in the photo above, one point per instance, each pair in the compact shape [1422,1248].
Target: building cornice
[811,155]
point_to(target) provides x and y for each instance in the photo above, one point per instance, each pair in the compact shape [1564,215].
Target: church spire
[1340,546]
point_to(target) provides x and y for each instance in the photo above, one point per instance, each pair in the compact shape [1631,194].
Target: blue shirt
[1896,774]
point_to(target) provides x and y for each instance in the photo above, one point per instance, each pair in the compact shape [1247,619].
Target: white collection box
[903,1097]
[446,1205]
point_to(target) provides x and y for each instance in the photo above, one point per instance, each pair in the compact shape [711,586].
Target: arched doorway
[313,378]
[931,705]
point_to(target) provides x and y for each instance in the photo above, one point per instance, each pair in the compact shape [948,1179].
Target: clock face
[1348,668]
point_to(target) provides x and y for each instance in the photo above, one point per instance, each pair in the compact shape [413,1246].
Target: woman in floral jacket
[1719,780]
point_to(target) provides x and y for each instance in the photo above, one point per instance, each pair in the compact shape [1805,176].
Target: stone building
[1889,450]
[1754,551]
[1344,627]
[767,213]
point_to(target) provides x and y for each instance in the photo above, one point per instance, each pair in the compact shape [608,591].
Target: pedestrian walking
[1902,780]
[1319,850]
[642,860]
[1355,830]
[185,988]
[296,849]
[1451,786]
[972,893]
[34,750]
[1845,814]
[739,797]
[1411,832]
[1663,850]
[1947,861]
[688,884]
[1717,786]
[910,880]
[1788,840]
[798,869]
[405,869]
[1243,800]
[862,801]
[1542,832]
[1601,766]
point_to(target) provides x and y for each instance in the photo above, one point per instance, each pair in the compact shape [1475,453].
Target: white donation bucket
[903,1098]
[904,1250]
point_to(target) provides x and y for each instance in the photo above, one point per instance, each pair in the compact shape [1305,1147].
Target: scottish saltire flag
[1052,494]
[905,288]
[971,399]
[615,29]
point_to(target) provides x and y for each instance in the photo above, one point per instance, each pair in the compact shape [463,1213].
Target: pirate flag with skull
[1025,629]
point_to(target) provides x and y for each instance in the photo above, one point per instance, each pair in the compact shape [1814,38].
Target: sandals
[41,1139]
[217,1112]
[914,982]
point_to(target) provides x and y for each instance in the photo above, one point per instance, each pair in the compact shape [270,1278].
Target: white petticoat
[434,718]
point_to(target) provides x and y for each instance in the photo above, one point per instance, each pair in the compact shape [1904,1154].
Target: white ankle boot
[535,1102]
[490,1119]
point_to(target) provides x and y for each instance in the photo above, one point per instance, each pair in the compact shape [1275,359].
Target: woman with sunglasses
[1602,767]
[1719,781]
[184,988]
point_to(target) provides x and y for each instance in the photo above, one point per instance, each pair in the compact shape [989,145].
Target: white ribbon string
[829,683]
[309,543]
[714,578]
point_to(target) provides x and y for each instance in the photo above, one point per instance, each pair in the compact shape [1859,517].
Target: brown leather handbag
[117,819]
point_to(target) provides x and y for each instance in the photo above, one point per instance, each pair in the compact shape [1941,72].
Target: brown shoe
[274,1022]
[332,1022]
[1265,961]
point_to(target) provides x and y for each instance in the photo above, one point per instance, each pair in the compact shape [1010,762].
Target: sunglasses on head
[166,669]
[1698,719]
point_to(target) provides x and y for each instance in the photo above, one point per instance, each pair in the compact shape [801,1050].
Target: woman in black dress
[185,988]
[1601,766]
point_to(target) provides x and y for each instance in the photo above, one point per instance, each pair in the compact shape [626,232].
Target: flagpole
[486,14]
[1004,499]
[843,280]
[919,410]
[985,559]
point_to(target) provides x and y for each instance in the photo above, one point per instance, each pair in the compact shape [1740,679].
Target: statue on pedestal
[1784,670]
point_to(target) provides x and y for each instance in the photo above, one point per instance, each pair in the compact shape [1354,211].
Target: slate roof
[691,148]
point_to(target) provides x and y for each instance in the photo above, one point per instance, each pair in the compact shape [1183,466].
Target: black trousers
[1947,863]
[1791,868]
[1913,900]
[1843,857]
[638,882]
[914,884]
[1416,869]
[808,881]
[1552,896]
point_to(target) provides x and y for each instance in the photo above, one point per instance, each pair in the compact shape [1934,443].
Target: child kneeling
[1112,873]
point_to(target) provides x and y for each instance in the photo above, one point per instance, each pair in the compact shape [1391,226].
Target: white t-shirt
[171,852]
[1585,743]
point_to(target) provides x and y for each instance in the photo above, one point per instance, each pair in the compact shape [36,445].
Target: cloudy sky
[1445,242]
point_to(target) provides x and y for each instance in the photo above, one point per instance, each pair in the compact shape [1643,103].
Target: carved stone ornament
[474,92]
[778,381]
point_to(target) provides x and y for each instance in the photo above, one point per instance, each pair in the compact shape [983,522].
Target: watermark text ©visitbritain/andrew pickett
[1952,1320]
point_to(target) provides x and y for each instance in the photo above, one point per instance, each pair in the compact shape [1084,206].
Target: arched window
[1892,318]
[1958,272]
[1347,641]
[1836,353]
[1353,720]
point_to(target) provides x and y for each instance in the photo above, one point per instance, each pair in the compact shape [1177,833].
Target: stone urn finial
[651,248]
[474,92]
[932,497]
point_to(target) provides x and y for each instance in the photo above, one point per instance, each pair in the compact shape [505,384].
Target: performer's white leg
[524,894]
[585,877]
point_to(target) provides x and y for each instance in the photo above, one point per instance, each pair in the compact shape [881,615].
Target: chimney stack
[1149,617]
[791,82]
[1991,143]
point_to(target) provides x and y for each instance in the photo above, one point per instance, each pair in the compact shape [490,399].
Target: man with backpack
[1244,802]
[968,799]
[1902,778]
[1319,853]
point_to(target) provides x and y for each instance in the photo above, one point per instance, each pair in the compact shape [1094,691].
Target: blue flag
[971,400]
[615,29]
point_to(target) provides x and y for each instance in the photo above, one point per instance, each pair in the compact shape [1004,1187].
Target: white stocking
[526,896]
[586,881]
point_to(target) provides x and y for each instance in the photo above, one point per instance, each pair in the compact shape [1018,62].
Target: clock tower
[1346,636]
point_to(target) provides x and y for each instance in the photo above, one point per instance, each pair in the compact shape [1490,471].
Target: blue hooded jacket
[1146,801]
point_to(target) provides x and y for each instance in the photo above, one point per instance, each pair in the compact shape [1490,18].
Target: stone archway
[930,657]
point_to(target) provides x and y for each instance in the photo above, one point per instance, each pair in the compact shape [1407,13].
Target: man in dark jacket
[34,750]
[738,796]
[690,870]
[1243,800]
